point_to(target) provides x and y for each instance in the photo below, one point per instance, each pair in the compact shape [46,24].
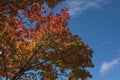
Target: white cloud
[106,66]
[78,6]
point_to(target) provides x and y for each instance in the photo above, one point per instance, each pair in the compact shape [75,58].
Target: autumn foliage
[36,43]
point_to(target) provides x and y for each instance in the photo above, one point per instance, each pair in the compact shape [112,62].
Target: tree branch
[26,66]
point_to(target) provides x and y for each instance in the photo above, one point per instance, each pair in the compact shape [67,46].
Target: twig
[4,63]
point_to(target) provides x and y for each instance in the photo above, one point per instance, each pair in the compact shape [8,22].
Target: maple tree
[34,43]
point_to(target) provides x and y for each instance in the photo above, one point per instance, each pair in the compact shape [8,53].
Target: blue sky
[97,22]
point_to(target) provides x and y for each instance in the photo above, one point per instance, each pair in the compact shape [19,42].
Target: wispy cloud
[78,6]
[106,66]
[102,44]
[119,50]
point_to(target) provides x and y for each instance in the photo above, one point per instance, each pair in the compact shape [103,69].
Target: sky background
[97,22]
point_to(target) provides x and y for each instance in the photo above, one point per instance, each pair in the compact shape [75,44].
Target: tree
[34,43]
[11,6]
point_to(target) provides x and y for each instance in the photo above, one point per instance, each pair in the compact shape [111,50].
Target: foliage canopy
[36,43]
